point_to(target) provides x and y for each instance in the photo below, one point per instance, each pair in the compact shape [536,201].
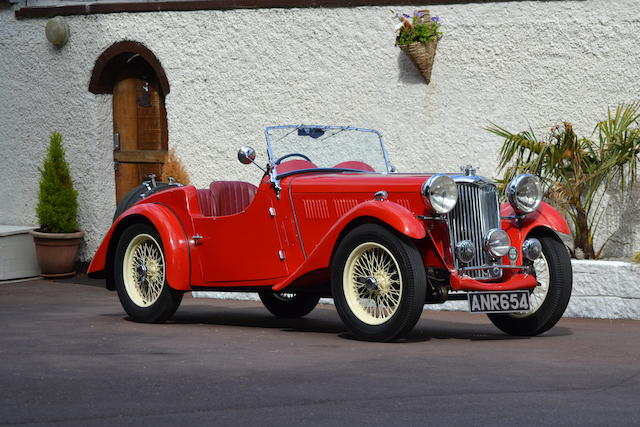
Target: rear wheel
[378,283]
[140,276]
[549,299]
[288,304]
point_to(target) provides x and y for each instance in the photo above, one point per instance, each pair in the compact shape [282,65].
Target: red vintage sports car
[331,217]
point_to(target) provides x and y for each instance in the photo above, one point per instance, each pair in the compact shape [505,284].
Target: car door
[242,247]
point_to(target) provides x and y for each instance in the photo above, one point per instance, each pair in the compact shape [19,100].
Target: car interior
[231,197]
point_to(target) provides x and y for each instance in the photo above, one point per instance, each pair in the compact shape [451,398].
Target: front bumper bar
[461,282]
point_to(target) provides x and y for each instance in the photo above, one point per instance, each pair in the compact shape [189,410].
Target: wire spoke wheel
[284,296]
[378,283]
[143,270]
[289,304]
[140,276]
[539,294]
[549,299]
[372,283]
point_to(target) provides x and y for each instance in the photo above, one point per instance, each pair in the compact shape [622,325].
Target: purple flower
[418,14]
[435,18]
[405,15]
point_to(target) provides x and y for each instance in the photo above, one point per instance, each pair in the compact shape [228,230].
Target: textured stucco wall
[234,72]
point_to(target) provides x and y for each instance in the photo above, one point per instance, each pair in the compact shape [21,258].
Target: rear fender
[389,213]
[172,234]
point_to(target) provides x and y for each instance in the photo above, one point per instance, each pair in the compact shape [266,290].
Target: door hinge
[116,165]
[116,141]
[272,211]
[281,255]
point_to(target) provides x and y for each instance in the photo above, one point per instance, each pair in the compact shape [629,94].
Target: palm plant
[576,171]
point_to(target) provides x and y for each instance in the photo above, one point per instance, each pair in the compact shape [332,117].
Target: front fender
[544,217]
[172,234]
[394,215]
[390,213]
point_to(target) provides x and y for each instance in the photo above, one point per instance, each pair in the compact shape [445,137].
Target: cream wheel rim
[539,294]
[143,270]
[372,283]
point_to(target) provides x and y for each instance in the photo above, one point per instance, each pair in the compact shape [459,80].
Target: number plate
[498,302]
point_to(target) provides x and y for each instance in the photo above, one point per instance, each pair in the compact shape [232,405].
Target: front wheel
[288,304]
[378,283]
[549,299]
[140,276]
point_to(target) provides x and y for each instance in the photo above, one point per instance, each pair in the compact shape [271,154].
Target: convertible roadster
[332,217]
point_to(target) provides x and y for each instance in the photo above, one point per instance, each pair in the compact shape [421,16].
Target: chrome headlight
[497,242]
[524,193]
[440,193]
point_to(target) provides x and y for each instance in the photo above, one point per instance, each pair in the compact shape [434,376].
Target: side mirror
[246,155]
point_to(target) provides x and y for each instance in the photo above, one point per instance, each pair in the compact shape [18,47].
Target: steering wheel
[286,156]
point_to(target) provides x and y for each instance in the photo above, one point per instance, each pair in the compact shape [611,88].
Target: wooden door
[139,126]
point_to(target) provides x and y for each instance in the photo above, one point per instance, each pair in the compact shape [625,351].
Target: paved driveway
[69,356]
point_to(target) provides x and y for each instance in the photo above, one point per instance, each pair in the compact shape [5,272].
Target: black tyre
[287,304]
[378,283]
[136,194]
[549,300]
[140,276]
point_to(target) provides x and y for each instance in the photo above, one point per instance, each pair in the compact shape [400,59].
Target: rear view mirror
[246,155]
[314,133]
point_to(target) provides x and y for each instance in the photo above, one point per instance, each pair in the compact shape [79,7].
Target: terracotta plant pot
[57,252]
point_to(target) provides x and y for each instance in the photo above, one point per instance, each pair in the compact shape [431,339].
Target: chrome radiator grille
[476,212]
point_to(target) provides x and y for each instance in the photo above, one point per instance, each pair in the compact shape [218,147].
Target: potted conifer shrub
[58,238]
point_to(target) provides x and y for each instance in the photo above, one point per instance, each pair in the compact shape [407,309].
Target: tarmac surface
[69,356]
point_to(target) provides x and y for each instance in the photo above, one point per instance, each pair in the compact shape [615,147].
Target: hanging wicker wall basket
[422,55]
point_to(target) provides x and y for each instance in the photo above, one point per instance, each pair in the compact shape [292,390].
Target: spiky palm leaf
[577,172]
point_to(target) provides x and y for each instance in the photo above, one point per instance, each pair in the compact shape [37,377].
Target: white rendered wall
[234,72]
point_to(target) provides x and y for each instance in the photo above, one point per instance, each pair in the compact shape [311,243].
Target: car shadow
[328,322]
[428,330]
[442,330]
[255,317]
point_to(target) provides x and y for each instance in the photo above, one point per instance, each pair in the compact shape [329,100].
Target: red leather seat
[354,164]
[206,201]
[226,197]
[294,165]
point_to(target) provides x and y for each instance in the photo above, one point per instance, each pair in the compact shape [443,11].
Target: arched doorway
[138,83]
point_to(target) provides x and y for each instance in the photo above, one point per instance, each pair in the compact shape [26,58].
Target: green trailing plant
[418,28]
[57,199]
[576,172]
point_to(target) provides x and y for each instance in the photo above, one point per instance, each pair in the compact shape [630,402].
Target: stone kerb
[601,289]
[605,290]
